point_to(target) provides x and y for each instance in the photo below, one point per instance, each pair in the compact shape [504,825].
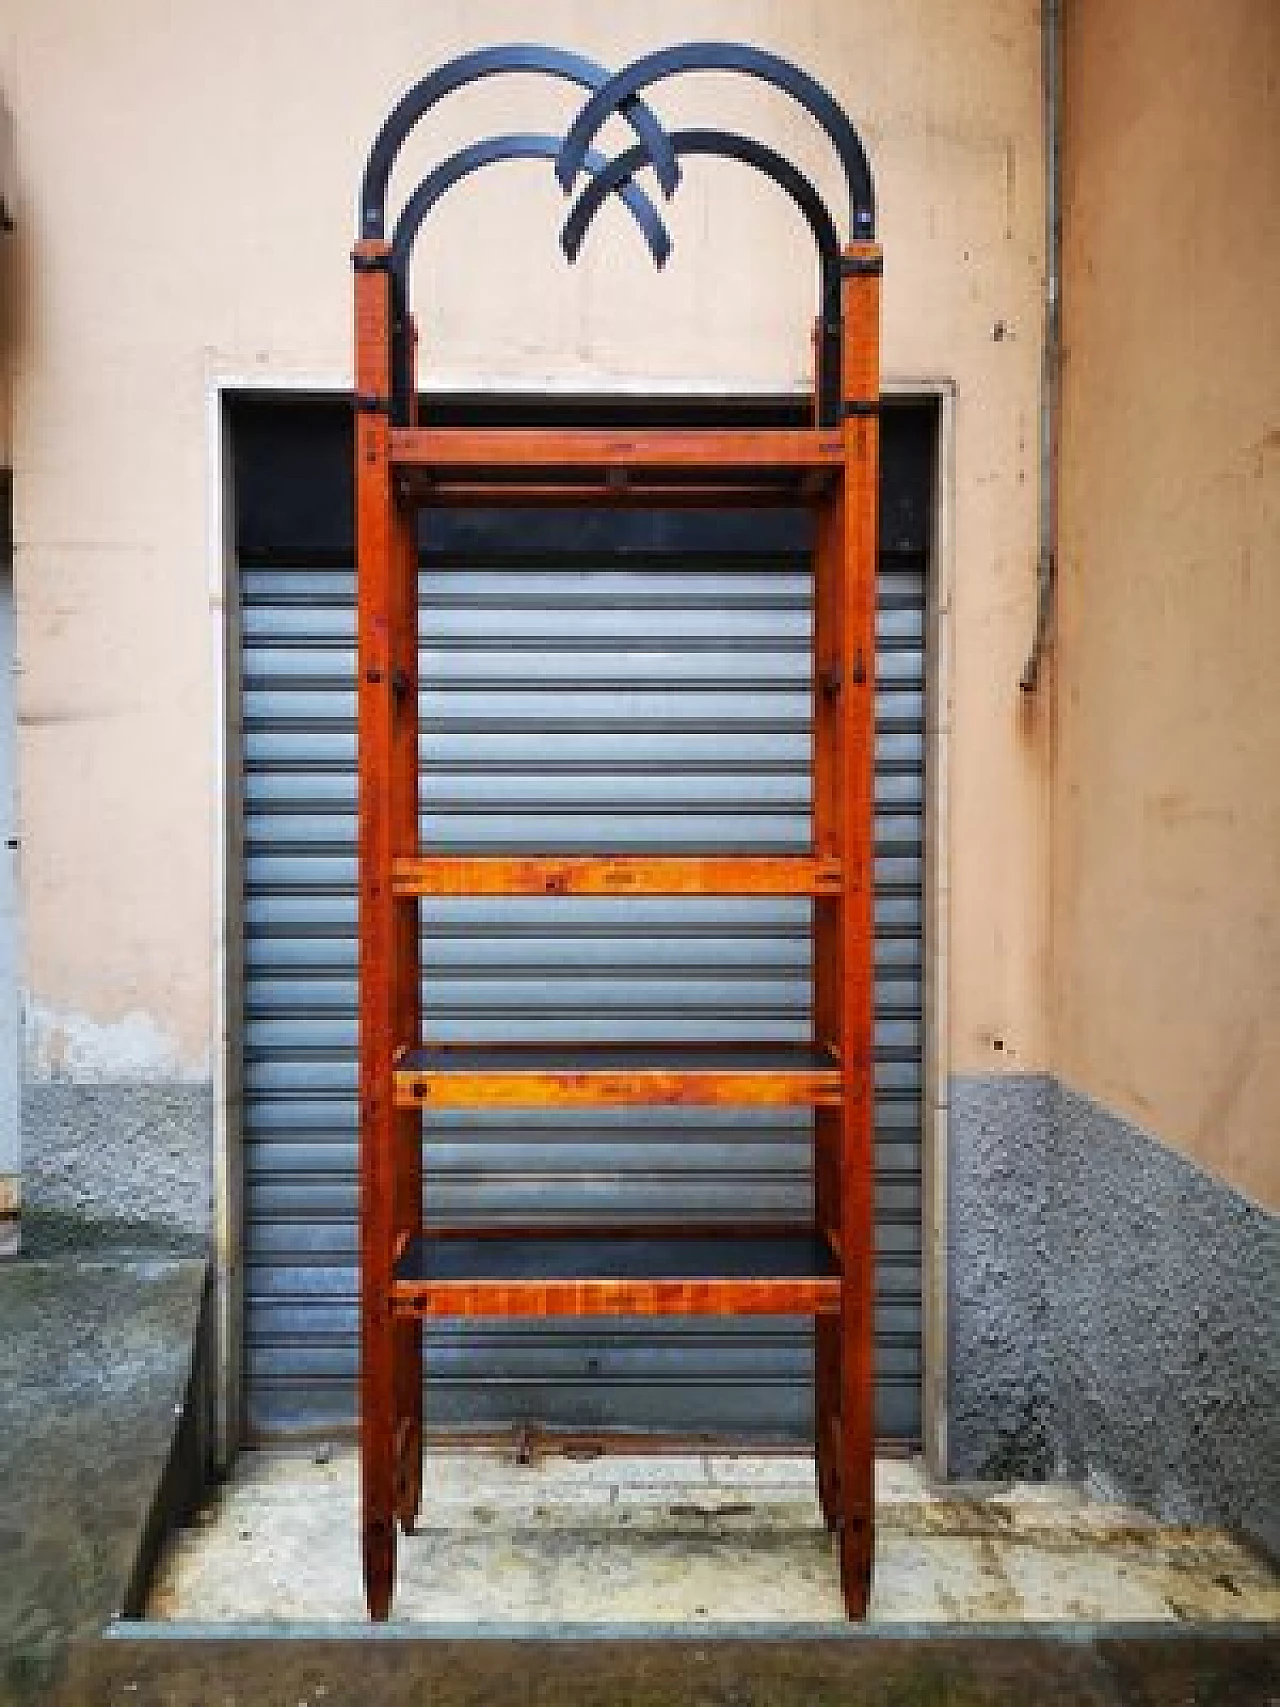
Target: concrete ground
[103,1394]
[699,1539]
[95,1383]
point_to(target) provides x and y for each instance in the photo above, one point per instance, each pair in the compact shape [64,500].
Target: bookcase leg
[379,1550]
[856,1526]
[856,1438]
[826,1416]
[408,1424]
[856,1558]
[378,1462]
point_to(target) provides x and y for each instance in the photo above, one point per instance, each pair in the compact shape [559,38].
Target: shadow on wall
[14,290]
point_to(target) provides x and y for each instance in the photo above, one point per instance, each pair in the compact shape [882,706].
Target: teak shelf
[408,1272]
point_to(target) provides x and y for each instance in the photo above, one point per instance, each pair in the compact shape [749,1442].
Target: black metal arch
[519,145]
[728,145]
[490,62]
[614,175]
[625,85]
[522,145]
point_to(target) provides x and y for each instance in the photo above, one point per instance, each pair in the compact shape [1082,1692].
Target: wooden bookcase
[410,1275]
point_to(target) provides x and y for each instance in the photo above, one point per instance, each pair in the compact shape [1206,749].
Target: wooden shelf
[617,1270]
[611,875]
[488,450]
[450,465]
[600,1075]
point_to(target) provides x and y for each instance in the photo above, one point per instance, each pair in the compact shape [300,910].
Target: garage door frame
[225,1051]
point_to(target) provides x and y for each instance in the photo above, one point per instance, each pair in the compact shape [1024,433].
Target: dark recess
[295,496]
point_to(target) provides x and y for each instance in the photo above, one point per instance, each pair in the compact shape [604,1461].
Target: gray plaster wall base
[999,1381]
[133,1161]
[1164,1312]
[1113,1311]
[10,1215]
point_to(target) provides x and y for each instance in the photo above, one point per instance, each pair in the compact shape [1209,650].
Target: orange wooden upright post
[827,843]
[380,555]
[404,814]
[407,1124]
[856,787]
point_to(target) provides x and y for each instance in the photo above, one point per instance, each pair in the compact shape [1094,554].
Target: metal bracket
[830,375]
[861,266]
[362,263]
[862,406]
[365,403]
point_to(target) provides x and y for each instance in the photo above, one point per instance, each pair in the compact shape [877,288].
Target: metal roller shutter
[609,680]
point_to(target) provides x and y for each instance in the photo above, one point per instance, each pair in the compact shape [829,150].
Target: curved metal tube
[613,95]
[615,174]
[730,146]
[517,146]
[490,62]
[521,145]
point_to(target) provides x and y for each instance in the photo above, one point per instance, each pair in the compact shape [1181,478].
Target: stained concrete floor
[95,1371]
[695,1539]
[100,1350]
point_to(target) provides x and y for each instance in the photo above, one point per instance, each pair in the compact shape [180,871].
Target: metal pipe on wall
[1046,565]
